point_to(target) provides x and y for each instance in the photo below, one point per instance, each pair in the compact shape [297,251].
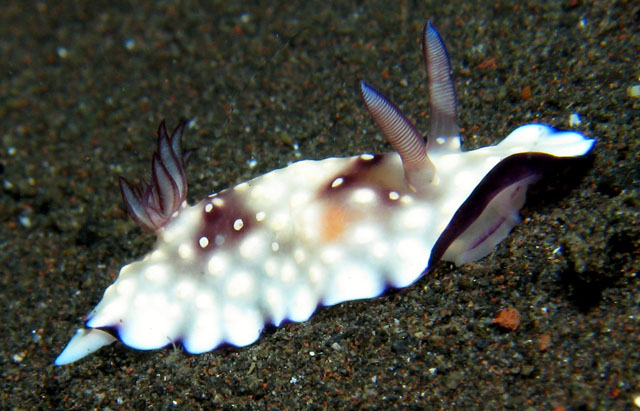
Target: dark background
[84,85]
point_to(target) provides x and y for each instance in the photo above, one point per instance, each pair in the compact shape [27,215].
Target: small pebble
[634,91]
[574,119]
[509,319]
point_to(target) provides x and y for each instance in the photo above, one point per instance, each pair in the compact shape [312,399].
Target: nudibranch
[316,233]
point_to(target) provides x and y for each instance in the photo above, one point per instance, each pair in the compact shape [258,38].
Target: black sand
[84,86]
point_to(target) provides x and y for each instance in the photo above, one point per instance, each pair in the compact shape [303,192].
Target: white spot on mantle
[364,196]
[217,265]
[156,273]
[240,285]
[185,251]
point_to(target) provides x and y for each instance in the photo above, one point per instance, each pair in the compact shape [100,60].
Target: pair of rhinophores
[316,233]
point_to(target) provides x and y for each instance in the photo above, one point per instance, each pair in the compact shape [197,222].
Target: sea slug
[316,233]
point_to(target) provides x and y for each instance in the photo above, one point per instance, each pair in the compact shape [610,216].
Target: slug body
[316,233]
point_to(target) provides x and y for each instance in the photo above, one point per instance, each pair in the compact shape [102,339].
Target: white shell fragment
[318,233]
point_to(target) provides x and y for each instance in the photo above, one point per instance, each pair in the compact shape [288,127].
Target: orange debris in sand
[508,318]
